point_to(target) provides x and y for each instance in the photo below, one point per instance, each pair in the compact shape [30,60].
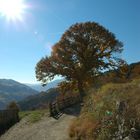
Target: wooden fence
[7,119]
[58,105]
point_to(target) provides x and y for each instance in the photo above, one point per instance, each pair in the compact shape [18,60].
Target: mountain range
[11,90]
[40,100]
[50,85]
[47,94]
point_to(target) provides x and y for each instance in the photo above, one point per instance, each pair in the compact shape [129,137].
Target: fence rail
[58,105]
[7,119]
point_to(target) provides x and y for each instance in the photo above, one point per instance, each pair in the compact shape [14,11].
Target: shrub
[83,128]
[13,105]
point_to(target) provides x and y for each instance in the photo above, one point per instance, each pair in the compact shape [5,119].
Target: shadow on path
[74,110]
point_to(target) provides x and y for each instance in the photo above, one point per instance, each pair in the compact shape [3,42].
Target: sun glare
[12,9]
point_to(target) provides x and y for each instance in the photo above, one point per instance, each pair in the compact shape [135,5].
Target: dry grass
[83,128]
[101,105]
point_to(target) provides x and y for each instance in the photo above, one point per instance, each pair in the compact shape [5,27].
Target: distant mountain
[11,90]
[38,100]
[40,88]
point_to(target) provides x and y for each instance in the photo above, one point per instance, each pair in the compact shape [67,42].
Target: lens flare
[12,9]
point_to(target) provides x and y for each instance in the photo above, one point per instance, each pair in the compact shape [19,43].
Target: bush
[13,105]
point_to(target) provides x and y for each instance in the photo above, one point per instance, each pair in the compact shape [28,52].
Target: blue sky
[23,44]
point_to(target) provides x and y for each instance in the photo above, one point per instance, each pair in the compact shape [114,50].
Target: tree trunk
[81,89]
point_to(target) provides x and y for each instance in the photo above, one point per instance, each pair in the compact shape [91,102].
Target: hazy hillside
[40,88]
[12,90]
[39,100]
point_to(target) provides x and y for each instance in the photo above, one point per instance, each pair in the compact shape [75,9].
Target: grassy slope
[33,116]
[98,118]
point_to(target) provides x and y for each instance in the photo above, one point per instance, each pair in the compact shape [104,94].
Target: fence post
[50,109]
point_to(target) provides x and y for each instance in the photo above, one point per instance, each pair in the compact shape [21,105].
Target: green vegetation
[33,116]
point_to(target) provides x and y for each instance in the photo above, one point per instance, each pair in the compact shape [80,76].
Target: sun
[12,9]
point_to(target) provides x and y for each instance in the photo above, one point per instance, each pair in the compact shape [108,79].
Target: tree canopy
[84,50]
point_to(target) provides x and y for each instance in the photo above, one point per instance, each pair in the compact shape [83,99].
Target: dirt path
[46,129]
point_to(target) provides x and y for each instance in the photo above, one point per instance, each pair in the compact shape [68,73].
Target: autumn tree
[13,106]
[67,86]
[84,50]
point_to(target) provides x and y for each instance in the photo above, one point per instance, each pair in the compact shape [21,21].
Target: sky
[25,40]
